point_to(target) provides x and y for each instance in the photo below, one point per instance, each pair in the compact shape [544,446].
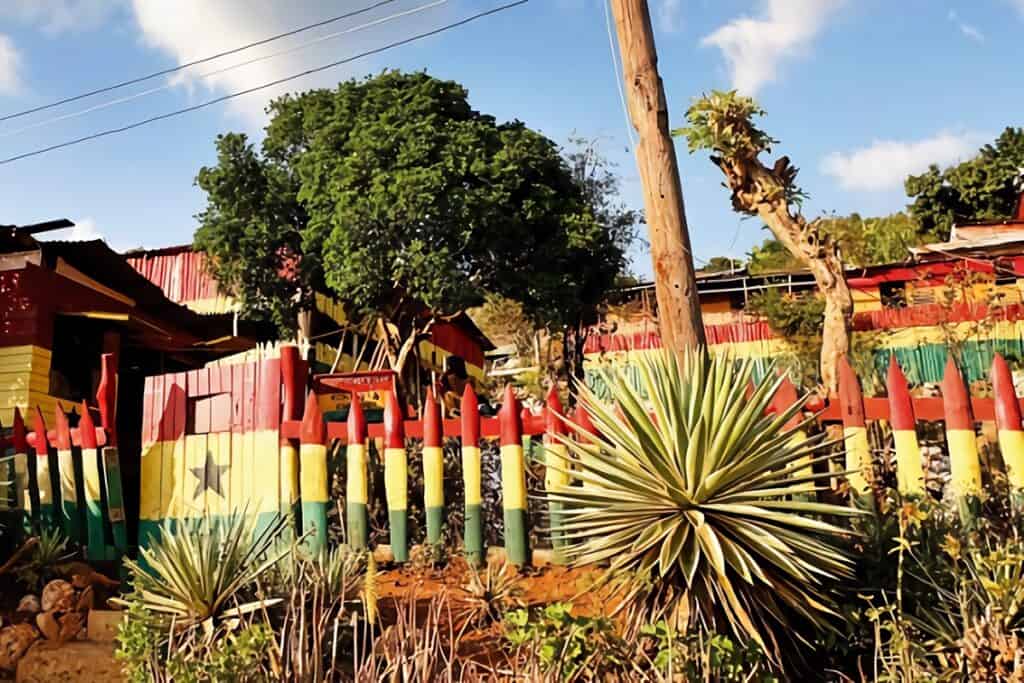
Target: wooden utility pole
[675,284]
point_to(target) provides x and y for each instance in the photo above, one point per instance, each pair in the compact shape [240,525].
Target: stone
[72,625]
[78,660]
[14,643]
[30,605]
[58,596]
[103,625]
[85,601]
[48,626]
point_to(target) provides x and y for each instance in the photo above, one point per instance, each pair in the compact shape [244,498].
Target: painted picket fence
[69,478]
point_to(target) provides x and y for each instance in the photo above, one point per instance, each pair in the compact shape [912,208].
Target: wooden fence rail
[68,479]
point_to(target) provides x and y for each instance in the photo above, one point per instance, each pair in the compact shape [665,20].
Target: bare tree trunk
[820,254]
[675,284]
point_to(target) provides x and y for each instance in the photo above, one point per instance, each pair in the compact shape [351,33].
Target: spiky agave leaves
[693,485]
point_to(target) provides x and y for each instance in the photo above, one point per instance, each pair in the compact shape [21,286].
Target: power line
[217,72]
[279,81]
[203,60]
[618,75]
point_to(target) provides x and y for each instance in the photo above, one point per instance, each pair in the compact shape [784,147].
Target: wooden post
[855,433]
[396,477]
[95,545]
[1008,421]
[356,489]
[24,476]
[66,473]
[473,536]
[44,484]
[679,316]
[964,465]
[556,470]
[292,380]
[433,468]
[313,475]
[513,479]
[785,397]
[909,472]
[106,399]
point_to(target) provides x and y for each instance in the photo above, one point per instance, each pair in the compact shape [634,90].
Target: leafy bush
[46,561]
[714,657]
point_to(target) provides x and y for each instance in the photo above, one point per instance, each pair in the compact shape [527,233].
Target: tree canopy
[982,188]
[393,193]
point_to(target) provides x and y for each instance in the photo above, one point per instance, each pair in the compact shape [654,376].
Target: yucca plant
[697,496]
[195,574]
[487,594]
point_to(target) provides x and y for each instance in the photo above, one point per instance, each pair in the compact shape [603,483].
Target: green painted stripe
[115,499]
[314,523]
[558,544]
[435,522]
[474,535]
[516,539]
[358,525]
[399,535]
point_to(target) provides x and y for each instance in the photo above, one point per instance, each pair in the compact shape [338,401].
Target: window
[75,359]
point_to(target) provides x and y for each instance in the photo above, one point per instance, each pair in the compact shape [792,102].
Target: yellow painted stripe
[43,480]
[21,487]
[965,468]
[289,475]
[151,497]
[220,445]
[471,474]
[396,478]
[267,470]
[556,455]
[909,473]
[195,461]
[1011,443]
[313,484]
[356,464]
[433,476]
[513,472]
[67,477]
[91,475]
[858,458]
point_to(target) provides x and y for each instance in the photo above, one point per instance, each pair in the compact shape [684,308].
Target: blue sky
[860,92]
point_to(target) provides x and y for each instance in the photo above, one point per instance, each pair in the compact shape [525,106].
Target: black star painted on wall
[209,476]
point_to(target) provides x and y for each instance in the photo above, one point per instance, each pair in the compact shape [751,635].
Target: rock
[48,626]
[30,605]
[85,600]
[75,661]
[71,626]
[103,624]
[14,643]
[58,596]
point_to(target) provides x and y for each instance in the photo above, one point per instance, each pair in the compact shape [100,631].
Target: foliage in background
[694,491]
[46,560]
[789,315]
[982,188]
[707,657]
[771,256]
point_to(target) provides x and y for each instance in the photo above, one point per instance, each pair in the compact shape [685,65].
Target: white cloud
[58,16]
[754,47]
[669,15]
[968,30]
[191,29]
[885,164]
[10,67]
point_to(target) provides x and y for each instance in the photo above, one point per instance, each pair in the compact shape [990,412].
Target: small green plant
[707,657]
[566,645]
[488,594]
[46,561]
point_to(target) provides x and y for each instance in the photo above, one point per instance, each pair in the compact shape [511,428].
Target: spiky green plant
[487,594]
[697,495]
[195,574]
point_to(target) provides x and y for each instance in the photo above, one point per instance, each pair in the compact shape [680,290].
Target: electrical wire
[618,74]
[217,72]
[186,65]
[279,81]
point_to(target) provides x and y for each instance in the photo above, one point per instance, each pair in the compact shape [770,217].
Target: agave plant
[196,573]
[697,495]
[487,594]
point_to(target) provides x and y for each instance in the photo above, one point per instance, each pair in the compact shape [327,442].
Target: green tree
[771,256]
[873,241]
[721,264]
[983,188]
[407,204]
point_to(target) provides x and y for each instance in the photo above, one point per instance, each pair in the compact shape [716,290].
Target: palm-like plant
[195,574]
[696,494]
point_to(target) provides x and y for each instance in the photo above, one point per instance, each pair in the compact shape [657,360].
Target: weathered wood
[313,480]
[909,471]
[679,317]
[513,479]
[473,536]
[855,435]
[965,467]
[433,467]
[357,474]
[396,476]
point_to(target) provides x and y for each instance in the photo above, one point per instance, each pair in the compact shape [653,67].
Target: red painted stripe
[901,406]
[292,376]
[784,398]
[18,433]
[356,422]
[432,428]
[38,437]
[1007,406]
[586,431]
[394,431]
[510,419]
[313,430]
[268,401]
[470,419]
[554,414]
[954,394]
[249,371]
[87,428]
[851,399]
[237,399]
[62,440]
